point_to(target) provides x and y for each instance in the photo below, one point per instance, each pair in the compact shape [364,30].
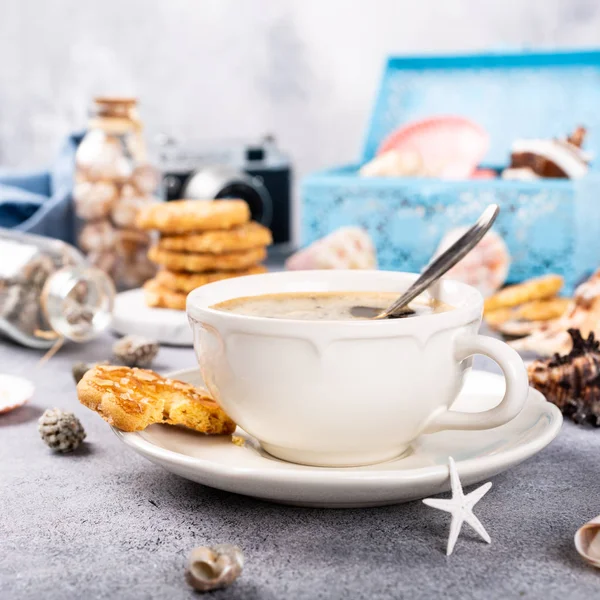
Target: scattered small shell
[14,392]
[135,351]
[79,369]
[587,542]
[61,431]
[214,567]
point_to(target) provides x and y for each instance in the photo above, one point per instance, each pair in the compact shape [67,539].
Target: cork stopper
[115,106]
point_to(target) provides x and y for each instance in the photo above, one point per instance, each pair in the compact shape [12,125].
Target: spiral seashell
[215,567]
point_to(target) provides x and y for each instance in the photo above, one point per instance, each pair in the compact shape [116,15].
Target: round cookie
[186,282]
[247,236]
[158,296]
[132,399]
[200,263]
[181,216]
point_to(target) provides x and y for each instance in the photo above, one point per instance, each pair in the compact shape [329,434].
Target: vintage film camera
[257,173]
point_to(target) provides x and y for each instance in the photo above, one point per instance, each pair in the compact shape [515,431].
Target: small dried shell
[135,351]
[79,369]
[587,542]
[215,567]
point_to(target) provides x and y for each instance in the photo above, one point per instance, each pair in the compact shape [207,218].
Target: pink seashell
[449,147]
[14,392]
[345,248]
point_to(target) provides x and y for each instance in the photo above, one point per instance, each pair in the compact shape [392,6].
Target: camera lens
[172,186]
[256,196]
[222,181]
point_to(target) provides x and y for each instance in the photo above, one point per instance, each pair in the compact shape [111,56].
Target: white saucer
[217,462]
[167,326]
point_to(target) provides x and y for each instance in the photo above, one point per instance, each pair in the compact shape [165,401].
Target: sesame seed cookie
[245,237]
[131,399]
[182,216]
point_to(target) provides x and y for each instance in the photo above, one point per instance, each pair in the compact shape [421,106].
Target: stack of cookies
[201,241]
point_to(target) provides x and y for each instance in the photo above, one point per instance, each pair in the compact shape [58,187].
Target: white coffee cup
[344,393]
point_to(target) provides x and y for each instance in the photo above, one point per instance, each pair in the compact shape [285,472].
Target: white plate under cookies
[131,316]
[217,462]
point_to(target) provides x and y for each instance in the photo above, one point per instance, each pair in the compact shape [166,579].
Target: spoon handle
[447,259]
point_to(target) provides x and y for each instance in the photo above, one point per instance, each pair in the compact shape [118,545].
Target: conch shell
[572,381]
[587,542]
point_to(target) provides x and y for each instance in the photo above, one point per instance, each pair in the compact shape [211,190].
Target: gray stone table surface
[105,523]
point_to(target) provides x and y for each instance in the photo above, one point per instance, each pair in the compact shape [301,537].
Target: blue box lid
[518,95]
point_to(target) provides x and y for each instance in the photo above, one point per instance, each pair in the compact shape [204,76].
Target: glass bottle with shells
[49,292]
[113,179]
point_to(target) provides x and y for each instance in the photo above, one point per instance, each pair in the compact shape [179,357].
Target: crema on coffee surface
[321,306]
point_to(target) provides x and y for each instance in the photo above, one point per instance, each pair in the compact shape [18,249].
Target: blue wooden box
[549,225]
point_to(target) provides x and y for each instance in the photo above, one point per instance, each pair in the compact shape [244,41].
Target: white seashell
[103,157]
[394,164]
[125,210]
[215,567]
[587,542]
[97,236]
[93,200]
[517,328]
[14,392]
[146,178]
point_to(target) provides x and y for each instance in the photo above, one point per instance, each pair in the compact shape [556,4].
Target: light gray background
[306,70]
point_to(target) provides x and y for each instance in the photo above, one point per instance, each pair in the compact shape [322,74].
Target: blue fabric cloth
[40,201]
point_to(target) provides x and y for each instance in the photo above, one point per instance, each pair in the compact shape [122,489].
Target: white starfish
[460,507]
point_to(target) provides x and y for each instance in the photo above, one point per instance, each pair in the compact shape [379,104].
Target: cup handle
[517,387]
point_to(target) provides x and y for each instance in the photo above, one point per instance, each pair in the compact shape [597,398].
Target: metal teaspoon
[434,270]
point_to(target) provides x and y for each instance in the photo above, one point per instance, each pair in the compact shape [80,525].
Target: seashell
[93,200]
[521,174]
[14,392]
[135,351]
[146,179]
[582,313]
[587,542]
[125,210]
[571,381]
[485,267]
[133,270]
[103,157]
[103,259]
[97,236]
[450,147]
[345,248]
[79,369]
[394,163]
[215,567]
[515,328]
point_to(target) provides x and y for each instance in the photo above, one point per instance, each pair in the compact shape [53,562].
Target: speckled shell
[485,267]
